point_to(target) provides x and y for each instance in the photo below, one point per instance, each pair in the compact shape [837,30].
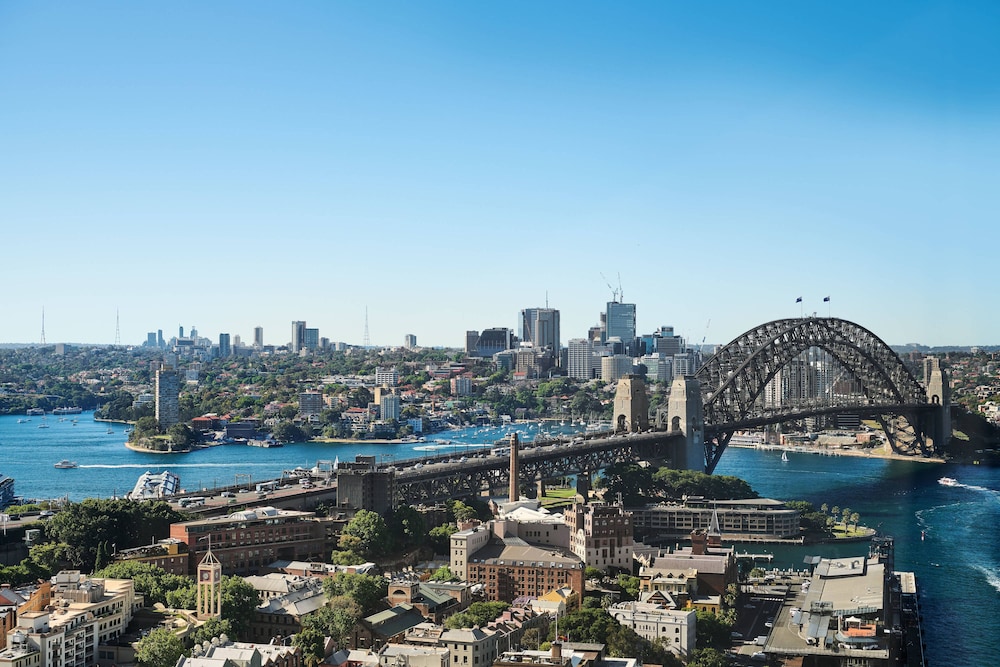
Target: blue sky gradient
[445,164]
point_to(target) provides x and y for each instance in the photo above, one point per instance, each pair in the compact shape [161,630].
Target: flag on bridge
[799,300]
[825,299]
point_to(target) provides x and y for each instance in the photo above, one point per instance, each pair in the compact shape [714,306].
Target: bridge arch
[734,379]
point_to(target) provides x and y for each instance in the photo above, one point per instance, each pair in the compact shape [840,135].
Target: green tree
[463,512]
[213,627]
[440,537]
[336,619]
[367,590]
[312,643]
[443,573]
[151,581]
[160,648]
[239,602]
[408,527]
[369,532]
[711,630]
[478,613]
[708,657]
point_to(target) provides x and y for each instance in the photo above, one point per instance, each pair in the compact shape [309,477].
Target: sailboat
[784,456]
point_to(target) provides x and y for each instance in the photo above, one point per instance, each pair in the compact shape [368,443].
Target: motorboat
[65,464]
[948,481]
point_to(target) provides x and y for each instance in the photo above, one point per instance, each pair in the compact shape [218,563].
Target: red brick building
[247,542]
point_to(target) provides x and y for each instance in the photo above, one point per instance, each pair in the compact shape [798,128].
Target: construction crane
[616,292]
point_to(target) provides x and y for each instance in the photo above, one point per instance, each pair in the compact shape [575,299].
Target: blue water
[957,563]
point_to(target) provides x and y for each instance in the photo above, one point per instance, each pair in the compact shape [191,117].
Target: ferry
[34,412]
[150,486]
[65,464]
[75,410]
[949,481]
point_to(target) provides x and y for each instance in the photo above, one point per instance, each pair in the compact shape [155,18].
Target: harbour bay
[944,534]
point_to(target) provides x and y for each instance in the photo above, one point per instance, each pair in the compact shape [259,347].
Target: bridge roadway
[432,479]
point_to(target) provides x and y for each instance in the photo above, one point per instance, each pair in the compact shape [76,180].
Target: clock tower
[209,586]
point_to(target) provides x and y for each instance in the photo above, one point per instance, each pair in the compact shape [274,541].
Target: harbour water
[946,535]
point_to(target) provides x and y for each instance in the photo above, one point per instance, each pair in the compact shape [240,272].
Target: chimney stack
[515,487]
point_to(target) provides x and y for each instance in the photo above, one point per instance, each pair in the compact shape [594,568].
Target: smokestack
[514,494]
[557,652]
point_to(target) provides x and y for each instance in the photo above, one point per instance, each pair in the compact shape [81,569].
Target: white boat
[151,487]
[784,456]
[65,464]
[43,426]
[948,481]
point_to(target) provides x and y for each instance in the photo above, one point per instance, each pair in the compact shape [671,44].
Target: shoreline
[883,452]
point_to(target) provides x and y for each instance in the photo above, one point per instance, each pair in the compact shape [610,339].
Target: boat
[784,456]
[65,464]
[34,412]
[110,430]
[150,486]
[948,481]
[43,425]
[75,410]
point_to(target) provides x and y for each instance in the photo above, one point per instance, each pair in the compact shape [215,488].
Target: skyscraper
[225,349]
[579,363]
[621,322]
[298,336]
[168,389]
[540,327]
[258,337]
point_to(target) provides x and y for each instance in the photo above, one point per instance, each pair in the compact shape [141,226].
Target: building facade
[601,536]
[168,390]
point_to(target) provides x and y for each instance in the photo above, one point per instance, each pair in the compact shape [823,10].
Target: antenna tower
[118,336]
[366,343]
[43,326]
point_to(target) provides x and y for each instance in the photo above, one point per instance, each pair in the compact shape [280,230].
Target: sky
[436,167]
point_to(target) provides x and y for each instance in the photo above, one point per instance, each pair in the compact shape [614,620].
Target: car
[736,635]
[243,491]
[759,656]
[46,514]
[227,494]
[769,624]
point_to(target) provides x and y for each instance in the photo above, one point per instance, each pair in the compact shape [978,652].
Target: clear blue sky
[445,164]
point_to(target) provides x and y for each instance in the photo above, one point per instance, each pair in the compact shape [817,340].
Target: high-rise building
[389,407]
[540,327]
[409,341]
[298,336]
[615,367]
[311,339]
[386,376]
[579,360]
[225,349]
[494,340]
[150,339]
[471,340]
[159,338]
[310,403]
[258,337]
[621,322]
[168,389]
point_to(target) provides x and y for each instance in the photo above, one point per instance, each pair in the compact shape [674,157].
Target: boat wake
[146,466]
[992,576]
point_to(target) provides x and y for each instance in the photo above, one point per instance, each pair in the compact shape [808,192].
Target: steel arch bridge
[734,380]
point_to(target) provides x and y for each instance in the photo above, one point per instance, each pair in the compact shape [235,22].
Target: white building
[579,359]
[85,614]
[654,621]
[614,367]
[386,376]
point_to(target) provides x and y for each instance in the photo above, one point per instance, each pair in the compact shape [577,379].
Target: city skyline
[442,167]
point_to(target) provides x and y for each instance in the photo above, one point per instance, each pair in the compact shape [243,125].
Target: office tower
[494,340]
[168,389]
[180,332]
[298,336]
[471,339]
[311,339]
[159,338]
[225,349]
[150,339]
[258,337]
[410,341]
[620,322]
[540,327]
[615,367]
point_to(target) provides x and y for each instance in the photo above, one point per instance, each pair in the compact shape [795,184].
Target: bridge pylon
[685,414]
